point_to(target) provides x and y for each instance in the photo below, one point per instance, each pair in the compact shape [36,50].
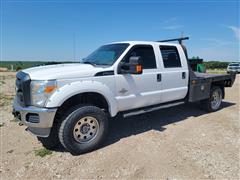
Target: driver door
[135,91]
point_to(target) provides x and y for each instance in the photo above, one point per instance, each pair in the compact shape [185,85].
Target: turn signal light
[49,89]
[139,69]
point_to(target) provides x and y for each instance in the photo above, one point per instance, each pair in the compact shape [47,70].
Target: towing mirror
[134,66]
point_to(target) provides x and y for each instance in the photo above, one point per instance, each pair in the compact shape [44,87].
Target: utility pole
[74,46]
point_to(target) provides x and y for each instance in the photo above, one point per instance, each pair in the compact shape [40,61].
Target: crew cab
[70,104]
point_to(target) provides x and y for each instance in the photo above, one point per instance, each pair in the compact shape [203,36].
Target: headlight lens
[41,90]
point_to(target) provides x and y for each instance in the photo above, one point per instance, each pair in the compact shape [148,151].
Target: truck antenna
[74,46]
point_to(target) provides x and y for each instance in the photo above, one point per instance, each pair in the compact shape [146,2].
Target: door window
[170,56]
[146,53]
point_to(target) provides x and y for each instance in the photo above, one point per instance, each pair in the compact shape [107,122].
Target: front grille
[23,88]
[233,68]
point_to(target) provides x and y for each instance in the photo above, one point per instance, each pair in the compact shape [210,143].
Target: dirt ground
[182,142]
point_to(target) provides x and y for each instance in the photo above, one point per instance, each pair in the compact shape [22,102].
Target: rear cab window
[170,56]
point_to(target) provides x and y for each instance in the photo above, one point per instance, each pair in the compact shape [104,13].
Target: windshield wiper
[94,64]
[88,62]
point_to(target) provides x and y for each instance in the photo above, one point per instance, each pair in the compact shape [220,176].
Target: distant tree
[195,57]
[18,68]
[216,65]
[52,63]
[20,63]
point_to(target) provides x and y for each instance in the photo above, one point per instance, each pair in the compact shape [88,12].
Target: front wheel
[52,141]
[215,100]
[84,129]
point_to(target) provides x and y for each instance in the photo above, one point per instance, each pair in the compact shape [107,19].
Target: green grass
[1,124]
[42,152]
[17,65]
[217,71]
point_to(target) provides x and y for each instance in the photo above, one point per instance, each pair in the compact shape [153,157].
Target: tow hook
[20,123]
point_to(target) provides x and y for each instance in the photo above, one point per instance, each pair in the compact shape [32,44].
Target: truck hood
[62,71]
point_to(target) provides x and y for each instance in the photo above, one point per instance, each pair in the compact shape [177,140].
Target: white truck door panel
[173,86]
[134,91]
[175,73]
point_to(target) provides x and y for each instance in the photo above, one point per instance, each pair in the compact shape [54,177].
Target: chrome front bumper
[38,120]
[233,70]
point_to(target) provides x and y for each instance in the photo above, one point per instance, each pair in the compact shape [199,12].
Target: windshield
[106,55]
[235,64]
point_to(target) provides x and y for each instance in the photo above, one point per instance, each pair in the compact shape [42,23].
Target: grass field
[217,71]
[27,64]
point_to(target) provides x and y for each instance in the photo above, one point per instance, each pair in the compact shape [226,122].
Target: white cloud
[171,23]
[218,49]
[218,54]
[217,42]
[236,31]
[170,20]
[173,27]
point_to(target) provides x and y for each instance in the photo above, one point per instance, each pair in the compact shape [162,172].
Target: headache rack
[180,42]
[177,39]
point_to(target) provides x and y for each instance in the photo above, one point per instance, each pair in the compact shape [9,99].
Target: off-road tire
[76,113]
[207,104]
[52,141]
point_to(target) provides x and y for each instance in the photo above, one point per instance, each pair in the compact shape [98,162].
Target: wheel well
[91,98]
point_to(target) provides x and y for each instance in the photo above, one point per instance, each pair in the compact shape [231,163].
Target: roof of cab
[146,42]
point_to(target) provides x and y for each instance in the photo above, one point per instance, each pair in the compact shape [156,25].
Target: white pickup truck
[70,104]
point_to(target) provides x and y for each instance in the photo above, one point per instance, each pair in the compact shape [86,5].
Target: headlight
[41,90]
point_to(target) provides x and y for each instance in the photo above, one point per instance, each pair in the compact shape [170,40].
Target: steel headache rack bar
[177,39]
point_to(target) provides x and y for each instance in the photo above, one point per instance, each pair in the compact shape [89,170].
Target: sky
[70,30]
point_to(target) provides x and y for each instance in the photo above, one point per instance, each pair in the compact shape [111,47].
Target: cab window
[146,53]
[170,56]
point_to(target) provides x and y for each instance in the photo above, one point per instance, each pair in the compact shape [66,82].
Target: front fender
[67,91]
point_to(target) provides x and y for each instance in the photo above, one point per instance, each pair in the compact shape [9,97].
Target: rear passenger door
[175,74]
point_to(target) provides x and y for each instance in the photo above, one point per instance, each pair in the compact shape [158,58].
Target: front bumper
[38,120]
[233,70]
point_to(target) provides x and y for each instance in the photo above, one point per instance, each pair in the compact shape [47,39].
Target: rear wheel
[84,129]
[215,101]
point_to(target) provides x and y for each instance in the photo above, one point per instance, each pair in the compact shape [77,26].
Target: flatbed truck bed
[200,84]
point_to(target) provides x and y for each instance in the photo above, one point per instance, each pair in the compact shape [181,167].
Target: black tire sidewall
[52,141]
[68,125]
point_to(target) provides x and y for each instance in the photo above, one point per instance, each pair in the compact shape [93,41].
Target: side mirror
[134,66]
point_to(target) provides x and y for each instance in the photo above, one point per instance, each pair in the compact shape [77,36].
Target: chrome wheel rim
[216,99]
[86,129]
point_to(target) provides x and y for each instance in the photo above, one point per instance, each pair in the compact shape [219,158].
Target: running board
[133,113]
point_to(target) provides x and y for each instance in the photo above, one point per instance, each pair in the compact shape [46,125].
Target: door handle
[183,75]
[159,77]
